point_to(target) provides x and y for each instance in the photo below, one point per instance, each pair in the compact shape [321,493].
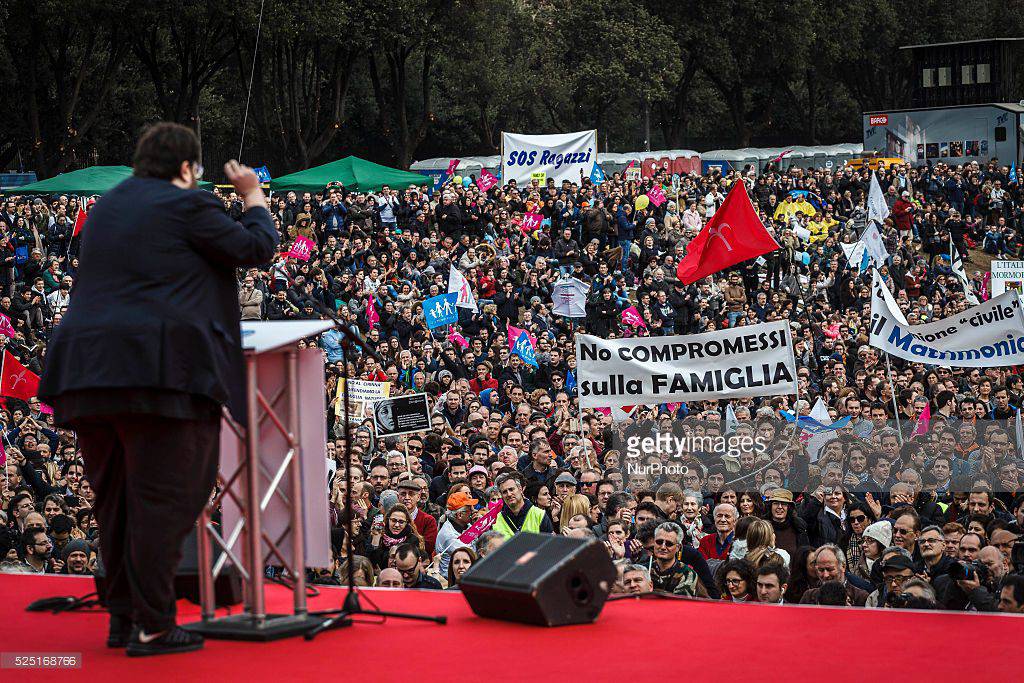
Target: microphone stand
[337,618]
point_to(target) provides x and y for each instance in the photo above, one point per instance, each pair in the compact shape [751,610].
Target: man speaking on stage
[148,352]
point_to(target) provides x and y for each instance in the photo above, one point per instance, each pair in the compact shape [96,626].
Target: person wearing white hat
[876,538]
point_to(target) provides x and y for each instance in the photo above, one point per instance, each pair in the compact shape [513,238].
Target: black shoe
[120,631]
[173,641]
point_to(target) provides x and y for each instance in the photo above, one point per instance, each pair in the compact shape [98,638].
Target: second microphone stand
[351,606]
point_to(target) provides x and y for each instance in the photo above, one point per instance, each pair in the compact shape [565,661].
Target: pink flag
[302,249]
[458,339]
[620,412]
[531,222]
[372,317]
[486,181]
[483,524]
[632,317]
[656,196]
[986,286]
[6,328]
[3,457]
[45,409]
[452,165]
[922,421]
[513,336]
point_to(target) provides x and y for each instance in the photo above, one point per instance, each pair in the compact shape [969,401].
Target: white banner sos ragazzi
[563,156]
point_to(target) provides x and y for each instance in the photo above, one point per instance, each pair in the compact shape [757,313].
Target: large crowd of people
[870,514]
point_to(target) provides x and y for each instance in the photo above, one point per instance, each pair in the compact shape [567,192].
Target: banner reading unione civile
[754,360]
[562,156]
[988,335]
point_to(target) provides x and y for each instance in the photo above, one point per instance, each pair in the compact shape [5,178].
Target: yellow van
[875,163]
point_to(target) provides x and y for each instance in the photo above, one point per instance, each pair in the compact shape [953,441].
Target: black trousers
[152,476]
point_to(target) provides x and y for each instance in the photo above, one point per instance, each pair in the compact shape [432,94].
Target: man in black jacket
[146,355]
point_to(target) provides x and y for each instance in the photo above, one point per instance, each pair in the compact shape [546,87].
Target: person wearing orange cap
[456,520]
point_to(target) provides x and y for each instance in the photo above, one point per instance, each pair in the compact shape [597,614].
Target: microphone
[351,335]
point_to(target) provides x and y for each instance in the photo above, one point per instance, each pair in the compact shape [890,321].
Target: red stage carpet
[632,640]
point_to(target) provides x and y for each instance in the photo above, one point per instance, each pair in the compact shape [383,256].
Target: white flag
[878,210]
[731,421]
[815,442]
[872,240]
[457,283]
[820,412]
[957,264]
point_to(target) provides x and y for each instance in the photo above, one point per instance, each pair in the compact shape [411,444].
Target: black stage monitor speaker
[541,579]
[227,587]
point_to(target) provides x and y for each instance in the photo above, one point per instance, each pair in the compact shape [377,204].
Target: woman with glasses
[393,530]
[736,581]
[858,518]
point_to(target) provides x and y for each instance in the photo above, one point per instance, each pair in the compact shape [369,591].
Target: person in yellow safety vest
[518,514]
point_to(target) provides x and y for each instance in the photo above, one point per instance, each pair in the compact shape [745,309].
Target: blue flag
[441,310]
[597,175]
[439,181]
[524,349]
[263,173]
[1013,172]
[809,424]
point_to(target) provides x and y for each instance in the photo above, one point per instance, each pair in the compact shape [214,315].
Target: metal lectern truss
[253,488]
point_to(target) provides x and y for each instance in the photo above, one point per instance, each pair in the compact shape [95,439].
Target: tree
[611,53]
[303,73]
[183,44]
[62,72]
[406,38]
[756,46]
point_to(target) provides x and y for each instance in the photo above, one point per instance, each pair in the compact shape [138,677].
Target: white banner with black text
[753,360]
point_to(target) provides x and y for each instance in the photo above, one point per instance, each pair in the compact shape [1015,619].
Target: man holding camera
[967,583]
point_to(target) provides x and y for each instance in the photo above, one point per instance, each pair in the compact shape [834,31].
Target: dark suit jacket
[155,302]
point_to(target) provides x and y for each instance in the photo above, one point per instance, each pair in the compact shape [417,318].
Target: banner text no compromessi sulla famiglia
[754,360]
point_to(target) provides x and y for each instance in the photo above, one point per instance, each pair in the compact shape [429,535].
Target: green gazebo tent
[354,173]
[86,181]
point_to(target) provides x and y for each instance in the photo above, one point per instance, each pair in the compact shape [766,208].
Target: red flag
[740,236]
[79,223]
[16,380]
[452,165]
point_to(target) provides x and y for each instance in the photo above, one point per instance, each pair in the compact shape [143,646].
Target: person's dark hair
[405,549]
[741,567]
[616,502]
[532,490]
[832,593]
[16,501]
[650,507]
[799,580]
[473,559]
[1016,583]
[645,531]
[776,568]
[162,148]
[28,538]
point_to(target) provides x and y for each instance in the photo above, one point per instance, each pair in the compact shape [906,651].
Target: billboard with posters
[951,135]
